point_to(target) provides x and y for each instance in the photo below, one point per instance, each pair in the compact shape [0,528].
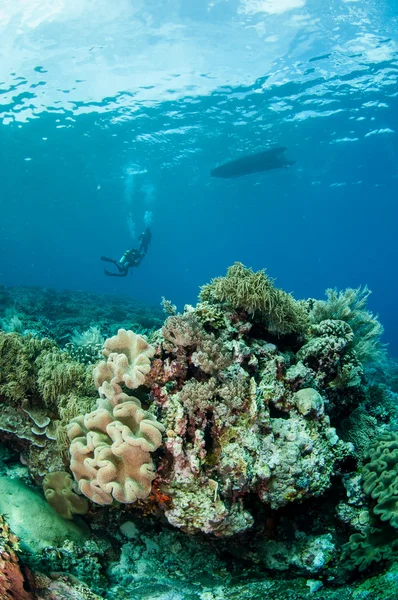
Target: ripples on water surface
[113,108]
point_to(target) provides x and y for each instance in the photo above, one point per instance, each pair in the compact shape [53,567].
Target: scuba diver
[131,258]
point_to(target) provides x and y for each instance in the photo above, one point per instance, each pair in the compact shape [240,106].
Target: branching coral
[210,356]
[242,288]
[86,346]
[329,354]
[168,307]
[182,331]
[350,306]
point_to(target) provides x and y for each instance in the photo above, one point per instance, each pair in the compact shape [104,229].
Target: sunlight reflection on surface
[83,56]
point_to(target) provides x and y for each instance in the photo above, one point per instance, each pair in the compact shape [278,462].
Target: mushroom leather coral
[128,360]
[380,477]
[110,451]
[59,493]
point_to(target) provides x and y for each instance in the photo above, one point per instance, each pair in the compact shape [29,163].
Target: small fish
[254,163]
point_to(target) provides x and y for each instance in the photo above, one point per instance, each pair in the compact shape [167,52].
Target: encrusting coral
[14,579]
[329,351]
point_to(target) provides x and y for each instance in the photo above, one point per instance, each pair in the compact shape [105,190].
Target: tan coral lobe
[110,446]
[59,494]
[128,360]
[110,452]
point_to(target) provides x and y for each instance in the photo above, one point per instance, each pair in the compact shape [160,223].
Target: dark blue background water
[329,221]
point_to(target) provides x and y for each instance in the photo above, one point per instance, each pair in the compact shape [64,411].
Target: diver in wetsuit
[131,258]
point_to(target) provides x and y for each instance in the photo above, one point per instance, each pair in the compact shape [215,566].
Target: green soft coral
[255,292]
[58,374]
[18,371]
[36,376]
[37,369]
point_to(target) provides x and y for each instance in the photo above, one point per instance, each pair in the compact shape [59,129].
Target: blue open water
[109,110]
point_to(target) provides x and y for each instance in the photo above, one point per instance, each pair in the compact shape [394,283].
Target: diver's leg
[111,260]
[120,268]
[139,259]
[112,274]
[117,264]
[123,271]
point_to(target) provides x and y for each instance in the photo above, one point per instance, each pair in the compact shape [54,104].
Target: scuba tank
[124,257]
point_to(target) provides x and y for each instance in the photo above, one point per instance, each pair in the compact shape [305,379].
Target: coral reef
[236,425]
[60,314]
[243,453]
[350,306]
